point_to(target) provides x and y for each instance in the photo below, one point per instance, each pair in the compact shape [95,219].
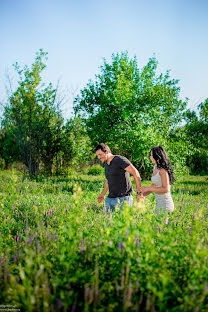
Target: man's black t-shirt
[118,178]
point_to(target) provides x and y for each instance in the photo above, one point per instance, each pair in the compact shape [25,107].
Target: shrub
[198,163]
[2,163]
[95,170]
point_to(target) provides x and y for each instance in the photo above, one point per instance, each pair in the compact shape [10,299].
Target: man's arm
[132,170]
[102,195]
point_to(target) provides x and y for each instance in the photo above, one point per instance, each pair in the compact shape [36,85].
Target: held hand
[140,189]
[100,198]
[144,189]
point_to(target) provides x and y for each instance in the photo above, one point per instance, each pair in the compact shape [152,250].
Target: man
[118,183]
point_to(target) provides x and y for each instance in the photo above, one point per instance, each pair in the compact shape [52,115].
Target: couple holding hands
[118,183]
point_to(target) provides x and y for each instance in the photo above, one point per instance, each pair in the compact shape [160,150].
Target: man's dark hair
[103,147]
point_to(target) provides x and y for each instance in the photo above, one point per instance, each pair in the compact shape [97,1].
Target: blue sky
[78,34]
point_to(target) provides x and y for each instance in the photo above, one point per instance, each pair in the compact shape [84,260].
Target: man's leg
[127,199]
[111,203]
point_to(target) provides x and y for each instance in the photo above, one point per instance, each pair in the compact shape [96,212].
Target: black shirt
[118,178]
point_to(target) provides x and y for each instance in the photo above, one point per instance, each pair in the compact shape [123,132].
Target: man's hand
[100,198]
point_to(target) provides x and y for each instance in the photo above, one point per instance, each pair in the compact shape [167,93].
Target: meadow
[60,250]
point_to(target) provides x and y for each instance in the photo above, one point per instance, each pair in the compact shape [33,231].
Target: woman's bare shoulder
[163,172]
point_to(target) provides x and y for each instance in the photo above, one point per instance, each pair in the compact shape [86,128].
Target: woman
[162,178]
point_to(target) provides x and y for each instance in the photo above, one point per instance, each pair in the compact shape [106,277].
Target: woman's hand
[144,189]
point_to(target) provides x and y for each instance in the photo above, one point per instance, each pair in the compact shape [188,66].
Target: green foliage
[198,162]
[130,109]
[32,115]
[9,150]
[2,163]
[76,146]
[60,251]
[204,111]
[196,131]
[95,170]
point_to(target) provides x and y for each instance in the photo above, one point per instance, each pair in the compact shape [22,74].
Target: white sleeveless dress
[164,202]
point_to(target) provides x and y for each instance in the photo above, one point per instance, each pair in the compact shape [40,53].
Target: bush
[198,163]
[95,170]
[2,163]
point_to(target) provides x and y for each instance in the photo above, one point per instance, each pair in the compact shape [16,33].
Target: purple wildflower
[158,230]
[66,210]
[8,276]
[15,258]
[21,213]
[120,246]
[137,243]
[18,238]
[1,260]
[59,304]
[29,240]
[83,248]
[73,308]
[40,249]
[51,213]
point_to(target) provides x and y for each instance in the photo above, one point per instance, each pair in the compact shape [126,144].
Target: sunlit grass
[59,250]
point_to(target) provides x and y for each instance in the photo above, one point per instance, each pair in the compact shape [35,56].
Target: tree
[196,130]
[76,146]
[31,113]
[9,150]
[131,109]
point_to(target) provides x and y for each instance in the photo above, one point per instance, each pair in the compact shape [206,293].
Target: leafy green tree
[196,130]
[204,111]
[9,150]
[31,113]
[52,143]
[131,109]
[76,146]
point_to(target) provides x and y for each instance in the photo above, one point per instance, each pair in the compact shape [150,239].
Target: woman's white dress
[164,202]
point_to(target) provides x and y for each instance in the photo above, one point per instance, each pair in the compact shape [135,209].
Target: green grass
[60,251]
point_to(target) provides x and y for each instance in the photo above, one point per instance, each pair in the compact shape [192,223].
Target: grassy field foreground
[60,251]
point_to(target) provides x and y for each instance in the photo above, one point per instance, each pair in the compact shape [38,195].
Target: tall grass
[60,250]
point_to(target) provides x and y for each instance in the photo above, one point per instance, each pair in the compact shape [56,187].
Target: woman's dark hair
[160,156]
[103,147]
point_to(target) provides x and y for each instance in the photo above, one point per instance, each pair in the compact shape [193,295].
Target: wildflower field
[60,251]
